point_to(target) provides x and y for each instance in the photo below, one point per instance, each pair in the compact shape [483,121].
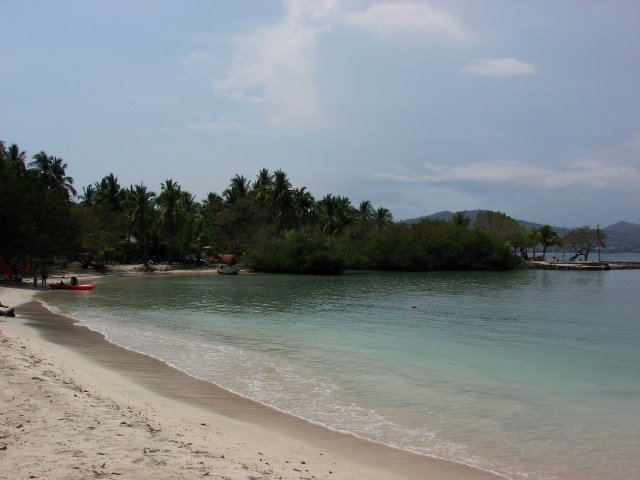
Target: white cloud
[196,59]
[275,67]
[216,126]
[311,11]
[386,18]
[499,67]
[577,173]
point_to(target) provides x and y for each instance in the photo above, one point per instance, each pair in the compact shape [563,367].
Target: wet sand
[155,420]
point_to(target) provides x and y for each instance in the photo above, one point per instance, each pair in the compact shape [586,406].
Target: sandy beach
[76,406]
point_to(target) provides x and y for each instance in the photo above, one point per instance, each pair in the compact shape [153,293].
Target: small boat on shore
[228,269]
[66,286]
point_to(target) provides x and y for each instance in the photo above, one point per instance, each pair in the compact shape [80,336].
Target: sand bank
[77,406]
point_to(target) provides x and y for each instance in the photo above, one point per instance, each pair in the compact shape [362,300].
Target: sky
[530,107]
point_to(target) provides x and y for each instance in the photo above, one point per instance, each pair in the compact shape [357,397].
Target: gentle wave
[468,375]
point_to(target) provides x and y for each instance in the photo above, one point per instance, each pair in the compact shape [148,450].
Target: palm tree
[52,172]
[63,183]
[263,186]
[190,224]
[88,196]
[304,207]
[383,217]
[16,158]
[238,188]
[548,238]
[110,193]
[335,213]
[170,219]
[42,165]
[282,201]
[140,213]
[366,212]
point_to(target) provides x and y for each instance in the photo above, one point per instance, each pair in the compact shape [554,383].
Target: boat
[66,286]
[225,269]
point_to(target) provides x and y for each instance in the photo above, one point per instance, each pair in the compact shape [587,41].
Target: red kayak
[64,286]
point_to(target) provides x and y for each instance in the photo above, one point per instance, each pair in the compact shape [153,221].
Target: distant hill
[446,216]
[619,237]
[622,237]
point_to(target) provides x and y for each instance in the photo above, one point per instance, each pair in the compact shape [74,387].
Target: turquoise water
[533,374]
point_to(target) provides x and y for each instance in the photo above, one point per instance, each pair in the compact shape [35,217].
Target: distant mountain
[446,216]
[622,237]
[619,237]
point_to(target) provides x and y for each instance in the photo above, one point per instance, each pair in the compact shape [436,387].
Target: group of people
[10,312]
[44,275]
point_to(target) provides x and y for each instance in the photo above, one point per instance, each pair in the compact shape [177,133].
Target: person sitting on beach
[3,305]
[74,281]
[8,313]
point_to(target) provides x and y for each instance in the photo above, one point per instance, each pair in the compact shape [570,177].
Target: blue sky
[531,108]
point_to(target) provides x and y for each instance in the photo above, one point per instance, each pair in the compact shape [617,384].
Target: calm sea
[533,374]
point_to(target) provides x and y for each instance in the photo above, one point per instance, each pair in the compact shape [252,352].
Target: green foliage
[296,252]
[434,245]
[548,238]
[34,213]
[100,230]
[582,240]
[272,225]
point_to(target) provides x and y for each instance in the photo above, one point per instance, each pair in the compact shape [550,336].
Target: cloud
[216,126]
[499,67]
[577,173]
[274,68]
[386,18]
[196,59]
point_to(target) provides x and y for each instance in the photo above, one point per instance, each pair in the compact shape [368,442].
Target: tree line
[268,223]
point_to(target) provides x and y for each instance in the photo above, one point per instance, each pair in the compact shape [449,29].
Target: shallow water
[533,374]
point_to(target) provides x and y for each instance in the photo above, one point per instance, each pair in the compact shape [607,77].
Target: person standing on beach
[35,276]
[44,273]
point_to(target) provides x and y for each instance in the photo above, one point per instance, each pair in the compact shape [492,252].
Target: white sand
[65,417]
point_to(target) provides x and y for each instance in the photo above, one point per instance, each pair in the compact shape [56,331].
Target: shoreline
[177,416]
[580,265]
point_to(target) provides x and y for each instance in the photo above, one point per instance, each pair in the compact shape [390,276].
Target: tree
[88,196]
[505,229]
[282,201]
[582,240]
[383,218]
[191,226]
[109,192]
[263,186]
[304,207]
[170,212]
[37,218]
[461,220]
[548,238]
[15,158]
[334,214]
[52,172]
[139,202]
[529,239]
[238,188]
[366,213]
